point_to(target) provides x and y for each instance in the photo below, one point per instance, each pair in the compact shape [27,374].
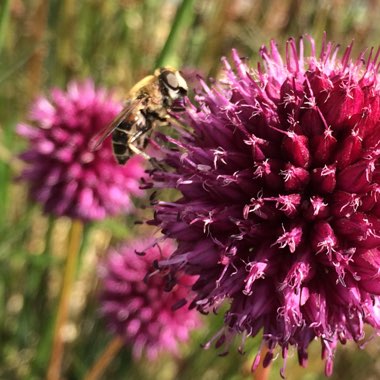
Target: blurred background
[48,43]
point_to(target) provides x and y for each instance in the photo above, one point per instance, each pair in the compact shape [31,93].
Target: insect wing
[99,138]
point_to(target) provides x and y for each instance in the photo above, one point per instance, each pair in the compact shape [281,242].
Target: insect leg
[134,138]
[136,150]
[175,122]
[152,160]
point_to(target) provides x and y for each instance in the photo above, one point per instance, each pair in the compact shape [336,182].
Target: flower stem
[4,18]
[182,20]
[42,299]
[74,244]
[66,34]
[262,373]
[38,35]
[105,359]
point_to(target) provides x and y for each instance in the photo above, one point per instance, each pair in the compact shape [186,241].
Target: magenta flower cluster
[64,175]
[279,212]
[136,305]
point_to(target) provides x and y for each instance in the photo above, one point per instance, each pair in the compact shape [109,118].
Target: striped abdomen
[120,137]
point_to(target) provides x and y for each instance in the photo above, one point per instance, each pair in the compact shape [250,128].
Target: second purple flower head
[63,174]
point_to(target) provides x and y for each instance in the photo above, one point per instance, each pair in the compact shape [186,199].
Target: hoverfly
[147,106]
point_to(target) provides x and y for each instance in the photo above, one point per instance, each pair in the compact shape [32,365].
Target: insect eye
[170,80]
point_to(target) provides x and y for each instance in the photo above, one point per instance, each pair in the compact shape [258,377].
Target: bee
[147,106]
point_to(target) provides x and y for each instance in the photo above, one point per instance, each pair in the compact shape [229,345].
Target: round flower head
[138,307]
[279,213]
[64,175]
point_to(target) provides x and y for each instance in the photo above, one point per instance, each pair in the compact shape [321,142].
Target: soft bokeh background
[48,43]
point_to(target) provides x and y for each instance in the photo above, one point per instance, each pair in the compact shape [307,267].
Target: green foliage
[47,43]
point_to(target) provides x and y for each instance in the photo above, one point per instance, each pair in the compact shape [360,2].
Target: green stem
[67,31]
[181,21]
[41,301]
[4,17]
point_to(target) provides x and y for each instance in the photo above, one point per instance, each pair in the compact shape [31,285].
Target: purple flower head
[138,307]
[64,175]
[279,213]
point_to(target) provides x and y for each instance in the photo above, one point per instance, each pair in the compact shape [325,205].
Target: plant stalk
[181,21]
[74,244]
[105,359]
